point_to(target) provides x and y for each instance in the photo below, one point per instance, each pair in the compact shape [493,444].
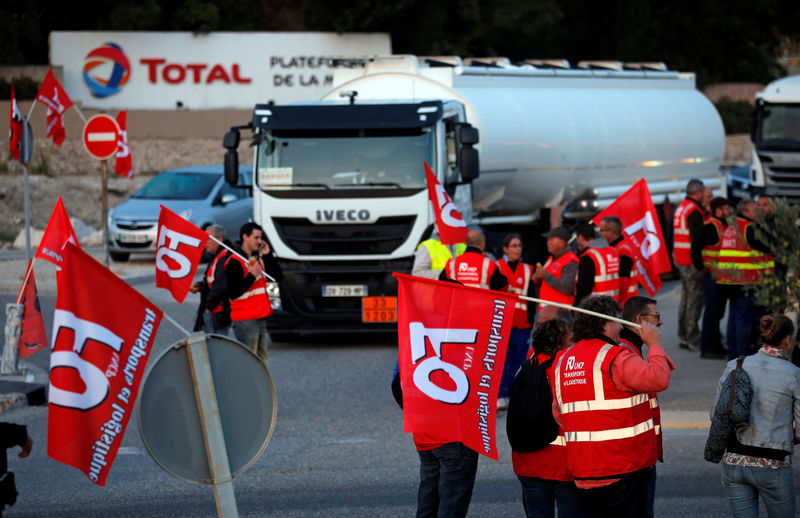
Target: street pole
[105,208]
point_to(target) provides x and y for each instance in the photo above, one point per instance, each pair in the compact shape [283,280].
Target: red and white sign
[100,136]
[178,251]
[453,341]
[103,331]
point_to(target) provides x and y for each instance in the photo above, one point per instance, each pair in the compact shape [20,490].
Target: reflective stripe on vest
[518,282]
[738,263]
[710,253]
[625,250]
[606,271]
[682,244]
[547,292]
[440,253]
[253,303]
[466,270]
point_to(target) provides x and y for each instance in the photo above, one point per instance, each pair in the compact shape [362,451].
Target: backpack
[732,410]
[529,423]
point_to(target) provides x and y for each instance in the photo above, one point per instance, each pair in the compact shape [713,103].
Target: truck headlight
[274,292]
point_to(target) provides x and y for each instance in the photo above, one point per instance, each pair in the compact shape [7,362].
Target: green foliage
[42,165]
[735,115]
[780,293]
[134,16]
[196,16]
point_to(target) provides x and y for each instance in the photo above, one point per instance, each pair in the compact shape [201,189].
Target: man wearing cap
[598,266]
[557,277]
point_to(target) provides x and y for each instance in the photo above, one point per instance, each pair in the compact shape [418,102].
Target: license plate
[344,290]
[379,309]
[133,238]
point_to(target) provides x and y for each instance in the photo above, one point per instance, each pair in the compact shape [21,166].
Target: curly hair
[588,326]
[550,336]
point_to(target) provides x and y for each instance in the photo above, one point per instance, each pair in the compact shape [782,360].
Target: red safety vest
[710,253]
[518,282]
[471,269]
[653,405]
[606,271]
[629,286]
[547,292]
[608,431]
[253,303]
[551,461]
[682,247]
[210,274]
[738,263]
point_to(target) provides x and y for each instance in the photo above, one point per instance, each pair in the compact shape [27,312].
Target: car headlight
[110,218]
[186,214]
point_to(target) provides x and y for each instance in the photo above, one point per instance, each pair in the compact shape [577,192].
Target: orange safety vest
[606,271]
[739,263]
[608,431]
[547,292]
[629,286]
[653,405]
[471,269]
[682,244]
[710,253]
[210,274]
[253,303]
[518,282]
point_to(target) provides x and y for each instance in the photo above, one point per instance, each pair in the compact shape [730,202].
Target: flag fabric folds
[451,225]
[640,225]
[102,338]
[452,347]
[59,231]
[179,249]
[15,128]
[33,337]
[52,95]
[124,164]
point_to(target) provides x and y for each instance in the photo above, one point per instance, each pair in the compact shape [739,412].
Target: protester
[243,286]
[473,268]
[602,404]
[217,321]
[546,482]
[12,435]
[705,249]
[708,195]
[639,310]
[687,222]
[598,266]
[432,255]
[611,231]
[557,276]
[757,461]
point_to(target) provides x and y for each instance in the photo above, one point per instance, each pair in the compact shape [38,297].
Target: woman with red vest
[546,481]
[603,406]
[519,277]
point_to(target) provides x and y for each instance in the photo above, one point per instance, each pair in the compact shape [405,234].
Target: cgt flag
[178,252]
[641,226]
[123,166]
[33,337]
[102,338]
[452,227]
[452,348]
[52,95]
[58,233]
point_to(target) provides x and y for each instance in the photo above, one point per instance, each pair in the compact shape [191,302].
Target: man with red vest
[598,266]
[744,261]
[217,321]
[557,276]
[611,231]
[244,289]
[705,256]
[602,403]
[473,268]
[638,310]
[687,222]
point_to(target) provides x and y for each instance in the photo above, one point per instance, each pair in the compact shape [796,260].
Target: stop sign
[100,136]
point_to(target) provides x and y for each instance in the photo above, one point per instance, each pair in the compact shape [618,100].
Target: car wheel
[119,257]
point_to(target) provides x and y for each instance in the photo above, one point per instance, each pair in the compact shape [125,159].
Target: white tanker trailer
[340,190]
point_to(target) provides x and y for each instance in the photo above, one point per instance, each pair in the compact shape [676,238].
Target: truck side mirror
[232,167]
[231,140]
[468,164]
[467,135]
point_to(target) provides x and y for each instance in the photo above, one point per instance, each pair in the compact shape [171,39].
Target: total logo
[106,70]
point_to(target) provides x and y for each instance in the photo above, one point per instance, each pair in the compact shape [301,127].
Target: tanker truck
[340,190]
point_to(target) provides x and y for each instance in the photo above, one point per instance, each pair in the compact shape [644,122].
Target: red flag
[33,336]
[58,232]
[452,227]
[452,348]
[641,226]
[123,165]
[178,252]
[57,101]
[15,128]
[101,341]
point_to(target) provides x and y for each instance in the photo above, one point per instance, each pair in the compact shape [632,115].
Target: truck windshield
[345,159]
[780,127]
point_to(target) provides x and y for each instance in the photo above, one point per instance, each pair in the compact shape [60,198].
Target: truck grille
[382,237]
[783,181]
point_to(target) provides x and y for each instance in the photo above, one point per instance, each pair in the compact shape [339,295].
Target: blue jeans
[446,478]
[649,491]
[515,355]
[744,485]
[253,334]
[740,325]
[541,496]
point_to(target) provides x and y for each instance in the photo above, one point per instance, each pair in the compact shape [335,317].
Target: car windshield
[178,186]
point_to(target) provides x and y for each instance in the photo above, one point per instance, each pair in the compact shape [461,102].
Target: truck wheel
[119,257]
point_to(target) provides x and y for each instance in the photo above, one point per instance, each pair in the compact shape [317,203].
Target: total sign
[169,70]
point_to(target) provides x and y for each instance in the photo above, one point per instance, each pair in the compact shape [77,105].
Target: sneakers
[502,403]
[688,347]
